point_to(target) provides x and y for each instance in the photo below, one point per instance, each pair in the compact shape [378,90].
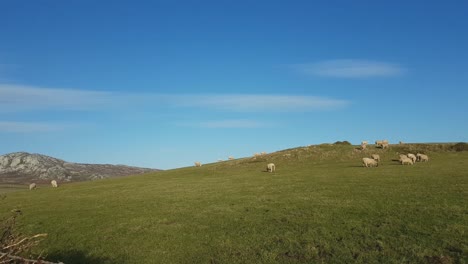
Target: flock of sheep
[373,161]
[408,159]
[33,186]
[405,159]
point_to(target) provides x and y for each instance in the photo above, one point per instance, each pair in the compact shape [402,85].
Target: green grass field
[320,206]
[7,188]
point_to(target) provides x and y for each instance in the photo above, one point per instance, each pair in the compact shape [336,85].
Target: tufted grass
[320,206]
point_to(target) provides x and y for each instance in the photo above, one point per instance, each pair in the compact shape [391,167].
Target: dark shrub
[462,146]
[342,143]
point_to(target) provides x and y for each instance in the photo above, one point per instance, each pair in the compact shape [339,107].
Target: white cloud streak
[258,103]
[28,127]
[34,101]
[229,123]
[351,69]
[16,98]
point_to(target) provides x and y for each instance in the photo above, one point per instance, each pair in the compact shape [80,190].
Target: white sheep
[364,142]
[382,143]
[402,156]
[198,164]
[423,157]
[376,157]
[231,157]
[412,157]
[54,183]
[263,153]
[369,162]
[271,167]
[363,146]
[406,161]
[418,157]
[32,186]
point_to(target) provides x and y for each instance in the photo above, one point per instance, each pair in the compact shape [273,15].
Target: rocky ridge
[22,167]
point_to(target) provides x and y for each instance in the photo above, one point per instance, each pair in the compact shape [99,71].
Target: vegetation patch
[342,143]
[460,147]
[320,205]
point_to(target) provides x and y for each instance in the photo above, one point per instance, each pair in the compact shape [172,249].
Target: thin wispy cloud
[29,127]
[258,103]
[230,123]
[351,69]
[15,98]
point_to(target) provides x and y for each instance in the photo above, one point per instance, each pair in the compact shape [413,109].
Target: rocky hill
[23,167]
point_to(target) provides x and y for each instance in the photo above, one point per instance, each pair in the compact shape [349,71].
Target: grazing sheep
[402,156]
[271,167]
[406,161]
[412,157]
[423,158]
[370,162]
[376,157]
[54,183]
[382,143]
[418,157]
[198,164]
[231,157]
[32,186]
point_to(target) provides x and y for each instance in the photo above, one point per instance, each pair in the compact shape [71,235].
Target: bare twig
[25,260]
[24,239]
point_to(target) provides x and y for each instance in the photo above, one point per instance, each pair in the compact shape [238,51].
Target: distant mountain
[23,167]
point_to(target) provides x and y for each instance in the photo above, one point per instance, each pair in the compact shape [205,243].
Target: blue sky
[165,83]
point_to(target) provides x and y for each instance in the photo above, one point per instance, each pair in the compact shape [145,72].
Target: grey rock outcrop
[23,167]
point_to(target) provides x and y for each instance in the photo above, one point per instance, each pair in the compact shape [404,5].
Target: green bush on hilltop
[462,146]
[342,143]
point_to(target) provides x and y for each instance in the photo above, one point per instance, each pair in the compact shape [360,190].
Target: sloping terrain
[320,206]
[22,167]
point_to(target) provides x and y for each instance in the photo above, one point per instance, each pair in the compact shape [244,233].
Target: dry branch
[12,258]
[24,240]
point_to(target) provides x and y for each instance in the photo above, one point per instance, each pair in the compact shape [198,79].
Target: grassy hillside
[6,188]
[320,205]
